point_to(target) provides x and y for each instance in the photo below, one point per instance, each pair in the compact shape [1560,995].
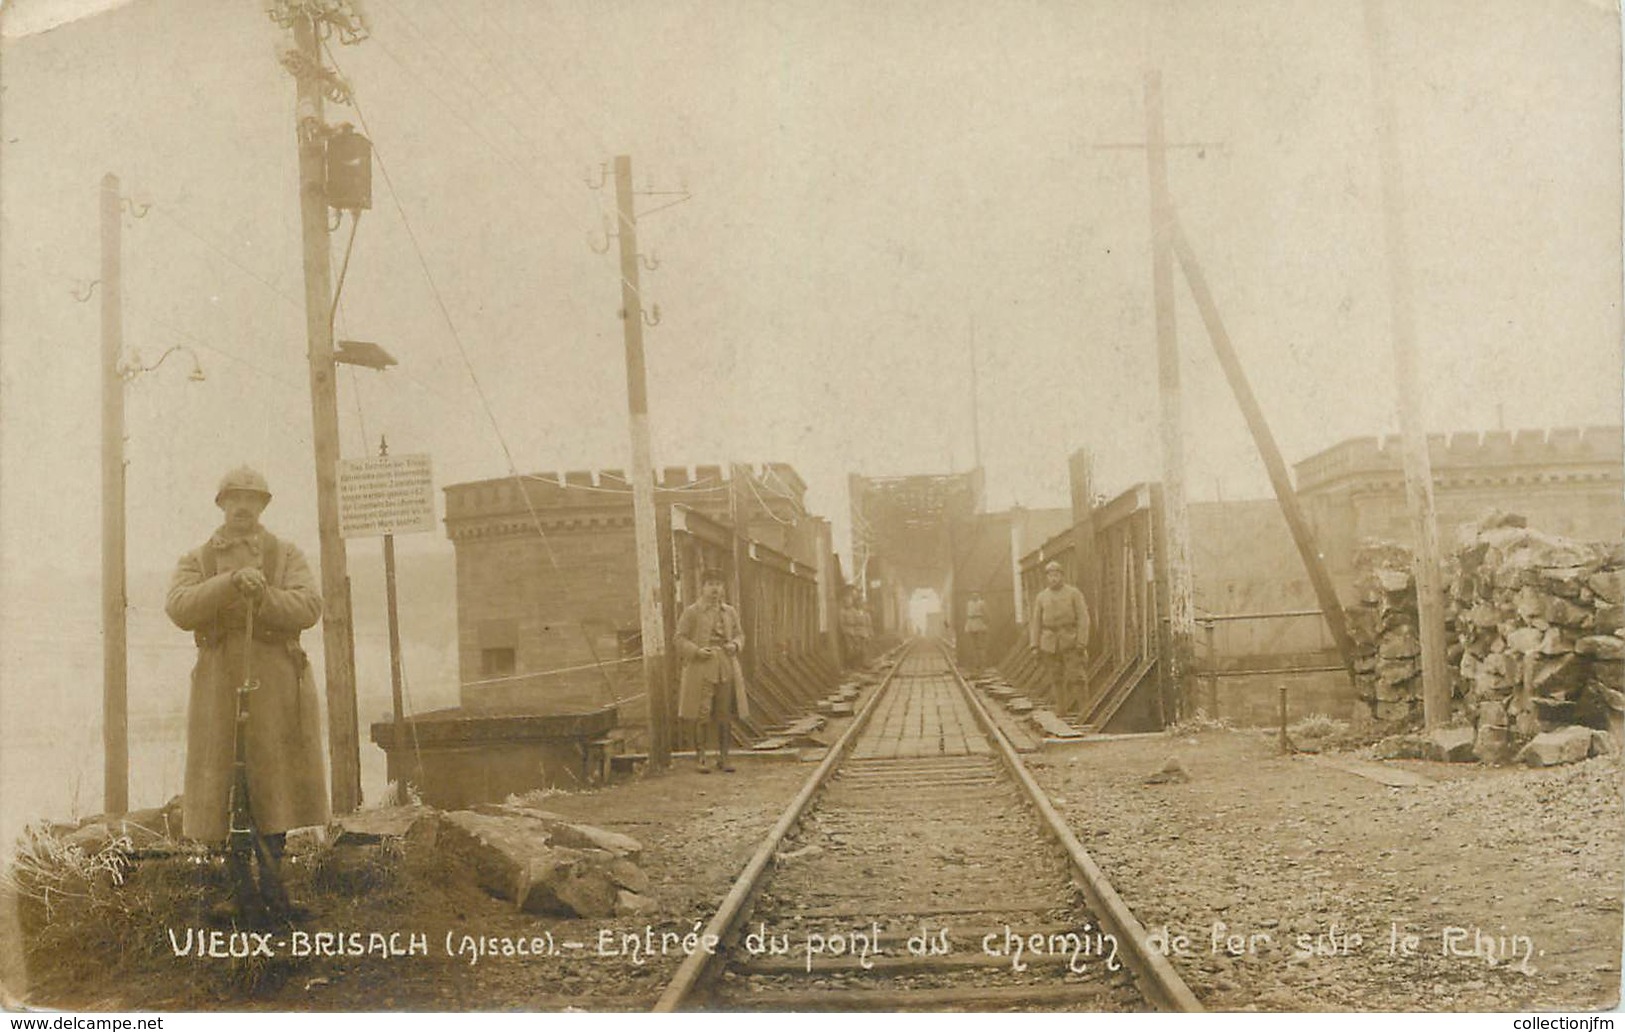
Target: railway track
[921,868]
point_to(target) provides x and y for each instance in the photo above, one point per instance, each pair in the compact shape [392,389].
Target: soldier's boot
[280,909]
[244,909]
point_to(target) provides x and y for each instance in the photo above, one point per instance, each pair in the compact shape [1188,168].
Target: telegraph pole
[344,751]
[115,673]
[650,612]
[1418,464]
[1176,519]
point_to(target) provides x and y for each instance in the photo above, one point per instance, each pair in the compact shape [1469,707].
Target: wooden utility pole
[740,561]
[343,743]
[650,609]
[1280,479]
[396,680]
[1181,634]
[115,664]
[1418,464]
[975,409]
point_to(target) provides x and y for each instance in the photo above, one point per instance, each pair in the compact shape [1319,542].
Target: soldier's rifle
[244,842]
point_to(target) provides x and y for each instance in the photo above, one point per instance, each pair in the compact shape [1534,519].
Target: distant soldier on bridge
[855,630]
[976,631]
[1060,633]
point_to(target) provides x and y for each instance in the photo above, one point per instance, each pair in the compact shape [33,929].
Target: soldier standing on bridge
[1060,633]
[854,630]
[709,637]
[976,631]
[244,565]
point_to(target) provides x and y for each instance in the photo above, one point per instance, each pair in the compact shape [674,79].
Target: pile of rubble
[540,861]
[1388,664]
[1533,624]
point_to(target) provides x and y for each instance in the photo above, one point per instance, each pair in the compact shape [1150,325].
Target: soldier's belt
[211,637]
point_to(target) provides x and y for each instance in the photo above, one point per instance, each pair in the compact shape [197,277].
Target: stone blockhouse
[1568,481]
[548,621]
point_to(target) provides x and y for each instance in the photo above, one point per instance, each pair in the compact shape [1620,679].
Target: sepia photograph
[806,506]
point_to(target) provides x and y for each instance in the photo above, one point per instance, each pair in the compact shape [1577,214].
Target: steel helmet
[243,478]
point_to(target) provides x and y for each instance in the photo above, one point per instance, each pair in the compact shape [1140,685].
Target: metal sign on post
[391,494]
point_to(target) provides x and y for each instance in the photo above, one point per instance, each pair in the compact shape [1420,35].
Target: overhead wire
[489,101]
[495,149]
[495,66]
[451,326]
[163,209]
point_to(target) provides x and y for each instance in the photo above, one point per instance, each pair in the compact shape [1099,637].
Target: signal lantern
[349,170]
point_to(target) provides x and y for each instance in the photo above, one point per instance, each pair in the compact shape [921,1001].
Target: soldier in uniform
[854,630]
[244,565]
[976,631]
[1060,633]
[709,637]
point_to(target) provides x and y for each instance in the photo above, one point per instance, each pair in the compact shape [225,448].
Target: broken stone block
[1556,642]
[1393,712]
[1483,615]
[1607,618]
[1555,713]
[369,827]
[1566,614]
[1592,708]
[1557,676]
[1403,645]
[585,891]
[1450,744]
[511,858]
[1564,580]
[632,903]
[1602,744]
[1608,585]
[1492,744]
[1551,748]
[1525,639]
[628,875]
[1404,747]
[1397,671]
[1533,604]
[561,831]
[1601,646]
[1525,724]
[1492,714]
[1393,581]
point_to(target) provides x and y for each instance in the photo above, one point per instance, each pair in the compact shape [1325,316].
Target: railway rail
[921,867]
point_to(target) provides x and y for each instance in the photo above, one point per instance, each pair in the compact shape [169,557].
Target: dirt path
[1294,852]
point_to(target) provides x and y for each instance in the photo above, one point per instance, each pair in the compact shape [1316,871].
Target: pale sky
[868,181]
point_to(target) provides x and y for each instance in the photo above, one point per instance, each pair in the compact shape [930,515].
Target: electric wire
[489,101]
[451,326]
[498,151]
[163,209]
[495,66]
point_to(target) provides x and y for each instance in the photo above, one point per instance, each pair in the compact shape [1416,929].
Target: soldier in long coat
[855,629]
[1060,634]
[709,638]
[976,631]
[241,564]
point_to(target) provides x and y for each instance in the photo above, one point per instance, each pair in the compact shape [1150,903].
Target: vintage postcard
[790,506]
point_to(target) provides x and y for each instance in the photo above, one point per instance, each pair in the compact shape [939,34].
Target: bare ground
[1286,847]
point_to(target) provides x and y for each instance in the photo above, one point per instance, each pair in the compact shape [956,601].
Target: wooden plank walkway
[924,714]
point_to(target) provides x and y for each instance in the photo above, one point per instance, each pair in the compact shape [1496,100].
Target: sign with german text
[391,494]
